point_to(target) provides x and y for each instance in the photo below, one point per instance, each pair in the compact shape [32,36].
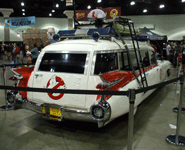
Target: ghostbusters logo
[56,83]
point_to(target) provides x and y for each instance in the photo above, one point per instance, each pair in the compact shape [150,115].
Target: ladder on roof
[130,24]
[108,31]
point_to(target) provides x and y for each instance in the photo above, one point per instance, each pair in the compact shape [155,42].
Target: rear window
[63,62]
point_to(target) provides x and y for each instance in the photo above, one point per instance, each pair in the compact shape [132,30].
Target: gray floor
[23,129]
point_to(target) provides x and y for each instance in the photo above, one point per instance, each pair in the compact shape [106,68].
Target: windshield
[63,62]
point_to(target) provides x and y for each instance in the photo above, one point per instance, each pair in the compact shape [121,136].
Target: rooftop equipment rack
[110,31]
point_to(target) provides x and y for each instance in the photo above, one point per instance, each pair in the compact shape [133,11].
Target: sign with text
[69,2]
[81,15]
[17,22]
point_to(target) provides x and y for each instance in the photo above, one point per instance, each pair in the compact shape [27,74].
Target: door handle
[38,75]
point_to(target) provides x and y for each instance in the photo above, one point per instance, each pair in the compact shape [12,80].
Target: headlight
[101,111]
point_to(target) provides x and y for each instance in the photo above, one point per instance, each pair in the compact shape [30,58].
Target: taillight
[102,86]
[13,78]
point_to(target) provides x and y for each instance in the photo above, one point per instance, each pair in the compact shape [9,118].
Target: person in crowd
[38,47]
[8,51]
[175,54]
[29,61]
[14,46]
[22,51]
[168,50]
[183,56]
[154,47]
[34,53]
[1,53]
[183,48]
[17,51]
[16,61]
[5,49]
[146,61]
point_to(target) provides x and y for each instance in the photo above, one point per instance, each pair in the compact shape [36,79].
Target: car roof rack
[106,31]
[112,29]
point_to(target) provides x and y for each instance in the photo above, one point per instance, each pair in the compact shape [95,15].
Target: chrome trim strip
[86,63]
[93,64]
[75,110]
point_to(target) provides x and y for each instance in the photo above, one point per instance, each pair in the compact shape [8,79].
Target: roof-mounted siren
[95,36]
[56,37]
[97,16]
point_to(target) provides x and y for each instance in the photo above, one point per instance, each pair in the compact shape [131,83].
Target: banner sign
[17,22]
[69,2]
[81,15]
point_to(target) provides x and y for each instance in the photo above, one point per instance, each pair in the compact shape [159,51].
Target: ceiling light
[57,5]
[23,9]
[132,3]
[18,35]
[161,6]
[145,10]
[50,14]
[23,14]
[22,3]
[53,10]
[98,1]
[183,0]
[89,7]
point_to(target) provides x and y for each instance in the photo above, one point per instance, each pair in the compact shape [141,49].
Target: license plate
[55,112]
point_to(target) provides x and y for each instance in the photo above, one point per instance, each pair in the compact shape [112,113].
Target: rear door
[61,70]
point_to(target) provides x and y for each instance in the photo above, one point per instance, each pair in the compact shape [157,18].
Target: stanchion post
[177,139]
[180,108]
[132,97]
[4,78]
[6,107]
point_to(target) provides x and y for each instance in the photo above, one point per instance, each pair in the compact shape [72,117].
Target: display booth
[156,40]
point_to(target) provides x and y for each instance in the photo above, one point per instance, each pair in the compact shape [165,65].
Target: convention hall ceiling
[42,8]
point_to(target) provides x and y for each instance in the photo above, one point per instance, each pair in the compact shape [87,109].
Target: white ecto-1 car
[87,64]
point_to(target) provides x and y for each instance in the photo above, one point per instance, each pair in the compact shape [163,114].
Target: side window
[152,57]
[106,62]
[134,60]
[145,58]
[125,62]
